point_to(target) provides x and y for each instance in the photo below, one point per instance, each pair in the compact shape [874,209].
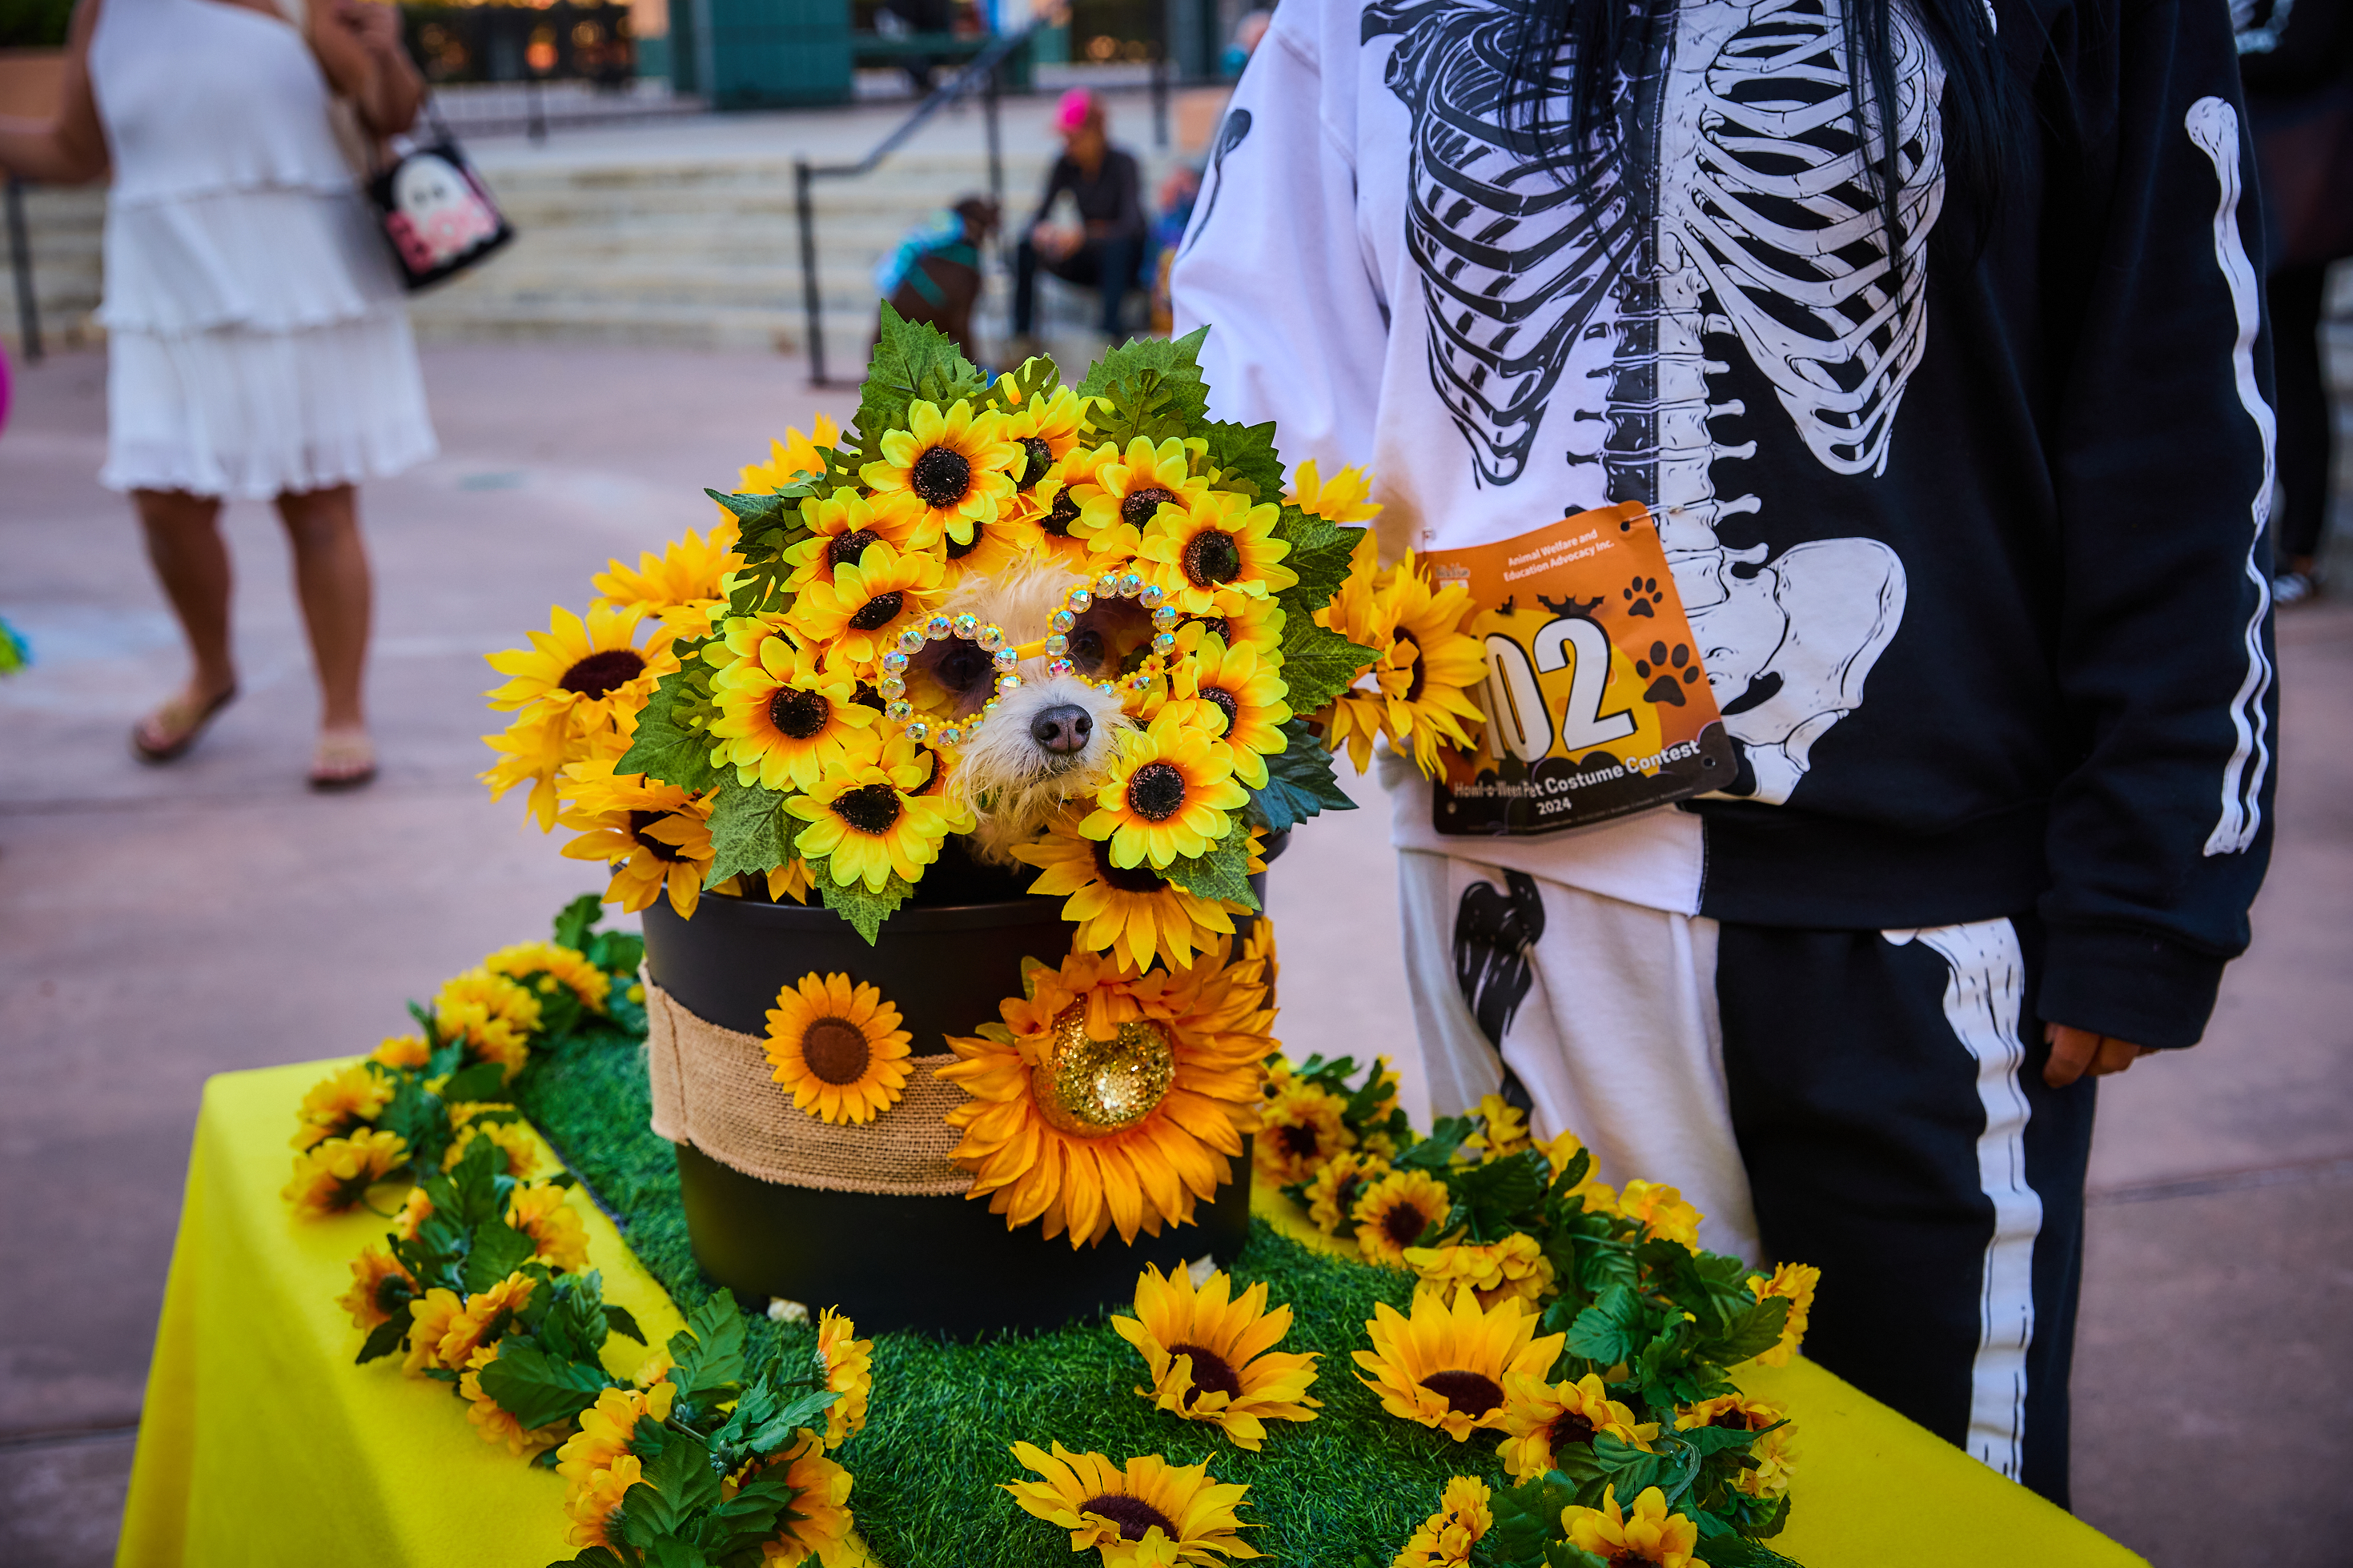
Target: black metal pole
[995,147]
[535,118]
[806,212]
[1160,81]
[20,263]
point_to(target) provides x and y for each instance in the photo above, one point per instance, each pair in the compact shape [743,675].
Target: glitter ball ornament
[1090,1087]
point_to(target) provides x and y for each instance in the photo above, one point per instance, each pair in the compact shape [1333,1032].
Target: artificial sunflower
[1245,693]
[1109,1098]
[1595,1196]
[1303,1129]
[558,1238]
[1210,1355]
[1776,1457]
[1514,1266]
[1649,1537]
[1136,912]
[843,525]
[591,669]
[1394,1211]
[837,1049]
[1216,540]
[518,1148]
[1445,1366]
[681,586]
[446,1330]
[489,1418]
[1166,797]
[1123,492]
[817,1523]
[1426,675]
[792,462]
[1053,503]
[1047,430]
[1360,611]
[378,1284]
[739,637]
[592,1502]
[334,1175]
[1660,1208]
[784,720]
[1239,618]
[996,544]
[402,1051]
[1795,1281]
[1333,1191]
[1461,1521]
[1344,497]
[855,615]
[534,749]
[493,1015]
[847,1363]
[1503,1129]
[1147,1512]
[351,1097]
[415,1210]
[608,1426]
[655,836]
[1544,1421]
[867,823]
[957,464]
[555,966]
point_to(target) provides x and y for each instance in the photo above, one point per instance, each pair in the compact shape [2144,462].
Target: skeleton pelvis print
[1733,214]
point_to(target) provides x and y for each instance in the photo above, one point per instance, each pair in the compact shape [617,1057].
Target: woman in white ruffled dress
[258,340]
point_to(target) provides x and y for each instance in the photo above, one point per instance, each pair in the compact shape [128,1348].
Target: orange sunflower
[855,615]
[959,465]
[995,544]
[1135,912]
[1109,1098]
[1053,503]
[784,720]
[1542,1421]
[1218,540]
[1446,1366]
[1394,1211]
[1301,1132]
[1146,1513]
[838,1050]
[1210,1354]
[1047,430]
[1344,497]
[1167,796]
[654,836]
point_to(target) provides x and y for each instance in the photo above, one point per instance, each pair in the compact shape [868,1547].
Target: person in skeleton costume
[1963,480]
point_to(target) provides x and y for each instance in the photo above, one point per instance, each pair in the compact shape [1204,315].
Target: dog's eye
[963,668]
[1107,635]
[1087,650]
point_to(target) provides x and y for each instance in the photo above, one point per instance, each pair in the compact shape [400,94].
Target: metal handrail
[979,73]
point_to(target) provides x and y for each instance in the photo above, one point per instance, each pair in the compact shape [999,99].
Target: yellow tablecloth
[262,1444]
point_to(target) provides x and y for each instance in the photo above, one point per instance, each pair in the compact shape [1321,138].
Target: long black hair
[1583,45]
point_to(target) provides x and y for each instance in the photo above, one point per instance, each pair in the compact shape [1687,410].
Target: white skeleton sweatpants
[1868,1102]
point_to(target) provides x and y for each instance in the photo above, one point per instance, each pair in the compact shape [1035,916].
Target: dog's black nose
[1063,728]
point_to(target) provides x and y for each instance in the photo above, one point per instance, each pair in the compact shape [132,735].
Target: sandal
[341,762]
[179,721]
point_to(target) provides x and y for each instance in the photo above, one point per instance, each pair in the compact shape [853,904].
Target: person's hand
[2075,1052]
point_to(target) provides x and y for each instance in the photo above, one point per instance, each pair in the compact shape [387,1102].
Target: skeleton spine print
[1733,210]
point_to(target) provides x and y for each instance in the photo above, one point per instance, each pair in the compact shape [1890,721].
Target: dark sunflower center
[1141,505]
[940,476]
[876,612]
[799,714]
[836,1050]
[1036,459]
[1218,698]
[1299,1140]
[602,671]
[1404,1223]
[1735,1418]
[1133,1515]
[871,809]
[1473,1393]
[1347,1192]
[641,820]
[1633,1560]
[867,697]
[1570,1430]
[1155,790]
[848,549]
[1420,671]
[1065,513]
[1211,1373]
[1127,879]
[958,552]
[1212,557]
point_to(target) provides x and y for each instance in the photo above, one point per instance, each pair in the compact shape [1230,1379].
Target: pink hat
[1077,105]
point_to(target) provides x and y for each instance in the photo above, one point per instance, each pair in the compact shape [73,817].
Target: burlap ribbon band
[713,1087]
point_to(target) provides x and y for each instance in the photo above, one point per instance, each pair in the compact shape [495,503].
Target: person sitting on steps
[1105,248]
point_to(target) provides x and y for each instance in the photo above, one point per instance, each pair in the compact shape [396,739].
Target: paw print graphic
[1673,668]
[1641,597]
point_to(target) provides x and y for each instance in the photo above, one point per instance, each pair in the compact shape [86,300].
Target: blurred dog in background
[935,274]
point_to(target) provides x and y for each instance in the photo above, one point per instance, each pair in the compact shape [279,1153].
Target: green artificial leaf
[1245,458]
[498,1251]
[1300,782]
[1561,1554]
[1499,1196]
[762,511]
[1527,1516]
[1737,1551]
[1436,1153]
[1150,387]
[750,1517]
[616,952]
[1705,1441]
[1748,1333]
[1580,1164]
[749,832]
[539,1389]
[1221,872]
[1035,377]
[572,1322]
[386,1337]
[617,1320]
[595,1556]
[1632,1471]
[1609,1332]
[483,1080]
[1320,555]
[708,1353]
[1318,664]
[912,363]
[559,1011]
[418,1118]
[864,910]
[477,1187]
[576,919]
[663,748]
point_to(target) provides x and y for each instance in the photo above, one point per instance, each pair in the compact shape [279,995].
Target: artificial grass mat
[1342,1491]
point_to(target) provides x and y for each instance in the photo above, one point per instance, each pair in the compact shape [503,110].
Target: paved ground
[156,926]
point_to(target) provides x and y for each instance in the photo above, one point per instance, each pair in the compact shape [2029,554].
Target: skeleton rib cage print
[1731,198]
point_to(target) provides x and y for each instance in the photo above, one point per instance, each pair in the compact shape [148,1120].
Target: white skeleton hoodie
[1971,537]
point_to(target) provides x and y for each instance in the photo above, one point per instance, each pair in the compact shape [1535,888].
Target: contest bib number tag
[1596,702]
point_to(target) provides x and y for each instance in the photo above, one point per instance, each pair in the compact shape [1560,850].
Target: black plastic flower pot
[946,1265]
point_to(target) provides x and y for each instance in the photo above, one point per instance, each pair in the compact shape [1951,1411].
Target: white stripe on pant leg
[1983,999]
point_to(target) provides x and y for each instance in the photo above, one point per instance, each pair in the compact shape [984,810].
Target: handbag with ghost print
[435,210]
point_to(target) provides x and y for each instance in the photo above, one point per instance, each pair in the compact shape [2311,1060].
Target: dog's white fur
[1013,784]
